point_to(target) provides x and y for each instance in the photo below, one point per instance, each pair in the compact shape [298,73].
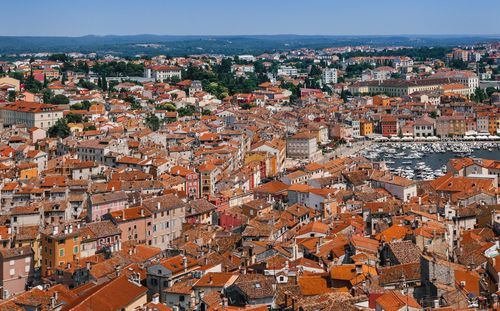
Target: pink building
[133,222]
[16,270]
[231,218]
[192,180]
[103,203]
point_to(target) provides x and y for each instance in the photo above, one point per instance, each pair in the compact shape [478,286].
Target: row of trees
[118,69]
[222,82]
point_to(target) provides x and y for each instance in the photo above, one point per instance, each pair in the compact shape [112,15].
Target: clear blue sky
[223,17]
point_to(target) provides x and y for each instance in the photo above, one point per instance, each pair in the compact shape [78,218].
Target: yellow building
[28,170]
[75,127]
[263,157]
[31,114]
[365,128]
[11,82]
[493,122]
[381,100]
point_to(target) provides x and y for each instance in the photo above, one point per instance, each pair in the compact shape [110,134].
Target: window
[61,252]
[27,269]
[12,262]
[12,272]
[27,260]
[75,250]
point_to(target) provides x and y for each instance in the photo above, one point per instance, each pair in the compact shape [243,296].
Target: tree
[135,106]
[12,96]
[120,69]
[87,84]
[206,112]
[152,122]
[490,90]
[47,95]
[60,129]
[315,71]
[479,95]
[166,106]
[60,100]
[74,118]
[33,85]
[458,64]
[60,57]
[16,75]
[186,111]
[104,83]
[84,105]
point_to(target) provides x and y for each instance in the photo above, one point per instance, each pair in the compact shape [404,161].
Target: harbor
[427,160]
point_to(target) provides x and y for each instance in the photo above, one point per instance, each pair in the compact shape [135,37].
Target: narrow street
[345,151]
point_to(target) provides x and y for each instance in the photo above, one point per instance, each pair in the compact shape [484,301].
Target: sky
[250,17]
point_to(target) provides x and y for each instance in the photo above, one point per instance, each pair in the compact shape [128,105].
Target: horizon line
[250,35]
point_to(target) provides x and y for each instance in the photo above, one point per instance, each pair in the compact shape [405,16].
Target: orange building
[493,122]
[97,108]
[381,100]
[28,170]
[60,246]
[365,128]
[270,165]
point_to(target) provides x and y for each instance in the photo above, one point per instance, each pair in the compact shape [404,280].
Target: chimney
[117,270]
[186,237]
[88,265]
[158,206]
[156,298]
[224,302]
[295,250]
[123,214]
[142,212]
[184,263]
[55,230]
[317,247]
[210,280]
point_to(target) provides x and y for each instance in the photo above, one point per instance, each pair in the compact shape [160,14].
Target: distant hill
[184,45]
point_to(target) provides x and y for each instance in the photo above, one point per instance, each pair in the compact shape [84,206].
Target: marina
[427,160]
